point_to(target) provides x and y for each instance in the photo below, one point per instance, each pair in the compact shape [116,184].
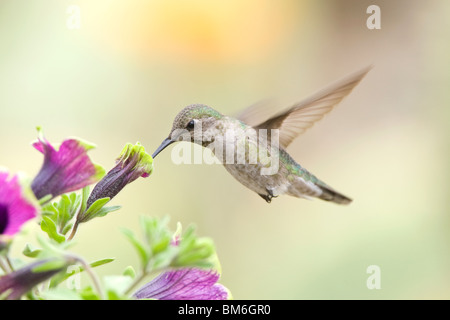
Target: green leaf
[84,198]
[105,210]
[143,253]
[116,286]
[45,199]
[49,226]
[194,251]
[93,210]
[66,228]
[164,259]
[50,210]
[55,281]
[101,262]
[50,265]
[63,206]
[51,248]
[68,206]
[88,293]
[161,244]
[30,251]
[63,215]
[197,255]
[99,172]
[156,233]
[129,271]
[97,205]
[158,251]
[62,212]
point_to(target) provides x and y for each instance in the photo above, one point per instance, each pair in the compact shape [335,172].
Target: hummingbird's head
[190,124]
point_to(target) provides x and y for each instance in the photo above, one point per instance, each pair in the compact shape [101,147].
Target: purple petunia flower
[184,284]
[65,169]
[15,208]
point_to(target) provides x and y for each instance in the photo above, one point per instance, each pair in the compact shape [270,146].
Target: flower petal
[67,169]
[184,284]
[15,208]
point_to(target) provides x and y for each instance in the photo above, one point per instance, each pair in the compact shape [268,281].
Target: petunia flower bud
[133,162]
[15,284]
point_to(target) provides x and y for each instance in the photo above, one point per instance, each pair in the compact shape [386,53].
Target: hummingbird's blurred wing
[258,111]
[301,116]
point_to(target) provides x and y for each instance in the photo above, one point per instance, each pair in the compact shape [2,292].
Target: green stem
[8,261]
[4,266]
[136,281]
[78,216]
[141,277]
[74,231]
[91,273]
[94,279]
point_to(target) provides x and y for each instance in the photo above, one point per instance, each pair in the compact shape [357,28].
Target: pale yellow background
[134,64]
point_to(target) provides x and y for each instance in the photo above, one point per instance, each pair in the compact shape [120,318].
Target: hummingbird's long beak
[163,145]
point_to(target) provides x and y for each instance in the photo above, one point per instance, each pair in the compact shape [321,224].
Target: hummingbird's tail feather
[301,188]
[329,194]
[306,185]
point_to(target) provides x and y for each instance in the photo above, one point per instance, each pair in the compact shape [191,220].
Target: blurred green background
[124,75]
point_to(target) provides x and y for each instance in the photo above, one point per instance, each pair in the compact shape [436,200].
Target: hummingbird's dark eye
[190,125]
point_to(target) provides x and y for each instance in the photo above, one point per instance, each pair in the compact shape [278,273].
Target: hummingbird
[203,125]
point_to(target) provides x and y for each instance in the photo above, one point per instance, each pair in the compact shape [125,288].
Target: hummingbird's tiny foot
[270,193]
[266,197]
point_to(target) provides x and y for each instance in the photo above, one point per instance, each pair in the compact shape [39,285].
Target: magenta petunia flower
[65,169]
[184,284]
[15,208]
